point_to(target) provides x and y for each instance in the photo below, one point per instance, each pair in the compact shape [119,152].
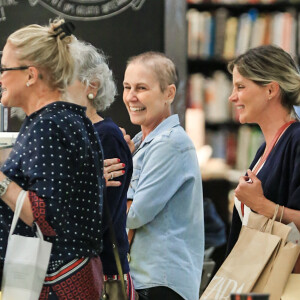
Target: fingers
[112,175]
[252,176]
[123,130]
[111,161]
[115,167]
[112,183]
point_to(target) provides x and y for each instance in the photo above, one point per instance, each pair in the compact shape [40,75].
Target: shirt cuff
[39,213]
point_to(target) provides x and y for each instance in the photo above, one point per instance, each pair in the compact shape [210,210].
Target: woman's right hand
[128,140]
[113,168]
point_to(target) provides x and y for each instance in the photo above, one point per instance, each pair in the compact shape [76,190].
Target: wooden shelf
[239,8]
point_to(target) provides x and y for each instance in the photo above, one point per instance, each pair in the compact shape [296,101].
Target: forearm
[288,215]
[10,199]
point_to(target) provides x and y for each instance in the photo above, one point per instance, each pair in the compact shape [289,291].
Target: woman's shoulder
[174,140]
[294,133]
[109,129]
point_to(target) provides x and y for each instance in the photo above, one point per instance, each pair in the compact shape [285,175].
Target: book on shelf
[221,16]
[220,35]
[194,126]
[217,90]
[246,23]
[248,141]
[193,20]
[230,37]
[259,31]
[195,91]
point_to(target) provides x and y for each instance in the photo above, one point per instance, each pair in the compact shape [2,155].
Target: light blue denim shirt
[167,211]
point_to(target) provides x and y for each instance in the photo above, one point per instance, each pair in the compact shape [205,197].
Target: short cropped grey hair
[92,69]
[163,67]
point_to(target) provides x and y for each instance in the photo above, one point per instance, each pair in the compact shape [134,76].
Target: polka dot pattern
[58,156]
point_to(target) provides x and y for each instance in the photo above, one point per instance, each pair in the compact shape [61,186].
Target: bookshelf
[217,32]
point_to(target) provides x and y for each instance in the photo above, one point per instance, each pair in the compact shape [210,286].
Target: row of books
[219,34]
[241,1]
[237,148]
[211,95]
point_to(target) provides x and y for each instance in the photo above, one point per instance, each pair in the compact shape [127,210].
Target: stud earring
[90,96]
[28,84]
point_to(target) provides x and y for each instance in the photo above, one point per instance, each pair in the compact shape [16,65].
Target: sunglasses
[13,69]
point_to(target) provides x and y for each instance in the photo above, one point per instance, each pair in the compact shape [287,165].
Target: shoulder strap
[114,243]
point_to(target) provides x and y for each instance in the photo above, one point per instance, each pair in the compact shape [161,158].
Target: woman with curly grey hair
[95,89]
[54,160]
[266,87]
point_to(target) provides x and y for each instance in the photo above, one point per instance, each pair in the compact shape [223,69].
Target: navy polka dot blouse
[58,158]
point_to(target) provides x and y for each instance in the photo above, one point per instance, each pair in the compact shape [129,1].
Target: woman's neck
[93,116]
[270,129]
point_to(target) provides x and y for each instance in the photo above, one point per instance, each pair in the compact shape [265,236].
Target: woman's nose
[131,95]
[232,97]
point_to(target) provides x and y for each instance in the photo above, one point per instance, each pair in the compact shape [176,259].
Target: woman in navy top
[266,86]
[95,89]
[55,158]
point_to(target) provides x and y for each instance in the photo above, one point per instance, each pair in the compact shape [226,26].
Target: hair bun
[64,30]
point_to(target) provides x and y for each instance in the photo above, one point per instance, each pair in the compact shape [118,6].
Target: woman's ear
[93,88]
[273,89]
[171,92]
[33,75]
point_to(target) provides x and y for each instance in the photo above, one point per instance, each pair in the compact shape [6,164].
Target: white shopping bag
[26,262]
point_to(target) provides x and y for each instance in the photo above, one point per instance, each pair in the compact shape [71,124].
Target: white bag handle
[19,205]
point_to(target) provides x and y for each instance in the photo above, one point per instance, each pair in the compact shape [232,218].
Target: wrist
[4,185]
[267,208]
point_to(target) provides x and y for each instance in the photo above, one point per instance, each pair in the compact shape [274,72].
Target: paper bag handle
[268,226]
[19,205]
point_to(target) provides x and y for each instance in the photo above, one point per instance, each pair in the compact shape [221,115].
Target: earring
[90,96]
[28,84]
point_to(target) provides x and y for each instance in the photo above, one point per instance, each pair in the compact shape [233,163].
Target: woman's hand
[249,191]
[128,140]
[113,168]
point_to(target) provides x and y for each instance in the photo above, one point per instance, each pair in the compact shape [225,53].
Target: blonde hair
[162,66]
[47,50]
[268,63]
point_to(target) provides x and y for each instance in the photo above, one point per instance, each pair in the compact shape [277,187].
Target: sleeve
[160,177]
[113,148]
[294,200]
[48,166]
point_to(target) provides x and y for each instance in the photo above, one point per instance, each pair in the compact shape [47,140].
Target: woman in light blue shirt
[166,189]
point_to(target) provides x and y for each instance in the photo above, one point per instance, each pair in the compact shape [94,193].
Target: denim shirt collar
[170,122]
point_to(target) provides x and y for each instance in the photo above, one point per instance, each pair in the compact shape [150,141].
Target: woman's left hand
[249,191]
[113,168]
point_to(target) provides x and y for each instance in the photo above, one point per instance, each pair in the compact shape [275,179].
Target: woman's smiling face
[147,105]
[249,98]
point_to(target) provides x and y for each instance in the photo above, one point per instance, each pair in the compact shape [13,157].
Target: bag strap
[268,225]
[17,212]
[272,145]
[114,243]
[18,208]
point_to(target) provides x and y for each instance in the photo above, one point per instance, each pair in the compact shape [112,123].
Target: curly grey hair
[93,71]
